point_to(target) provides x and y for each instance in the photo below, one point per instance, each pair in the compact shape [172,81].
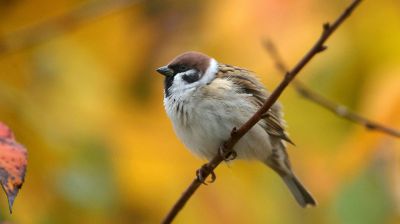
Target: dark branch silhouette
[338,109]
[226,149]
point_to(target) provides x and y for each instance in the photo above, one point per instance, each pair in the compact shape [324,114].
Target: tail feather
[298,190]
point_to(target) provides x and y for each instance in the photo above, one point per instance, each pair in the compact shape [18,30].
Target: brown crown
[192,59]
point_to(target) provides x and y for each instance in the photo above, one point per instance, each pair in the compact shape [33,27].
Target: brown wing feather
[249,84]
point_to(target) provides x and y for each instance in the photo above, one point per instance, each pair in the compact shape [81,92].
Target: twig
[54,27]
[238,133]
[338,109]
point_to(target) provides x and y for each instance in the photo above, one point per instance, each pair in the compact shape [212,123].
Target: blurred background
[78,87]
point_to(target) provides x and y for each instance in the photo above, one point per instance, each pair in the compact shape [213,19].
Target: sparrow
[206,99]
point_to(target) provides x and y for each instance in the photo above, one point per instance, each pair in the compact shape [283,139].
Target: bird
[206,99]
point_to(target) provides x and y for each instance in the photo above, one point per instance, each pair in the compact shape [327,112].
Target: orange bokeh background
[79,90]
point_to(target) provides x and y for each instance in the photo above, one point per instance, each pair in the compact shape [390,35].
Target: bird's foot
[227,155]
[203,172]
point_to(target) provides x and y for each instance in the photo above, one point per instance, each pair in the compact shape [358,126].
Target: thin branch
[236,134]
[337,109]
[44,31]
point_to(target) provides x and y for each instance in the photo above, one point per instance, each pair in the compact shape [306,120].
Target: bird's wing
[272,123]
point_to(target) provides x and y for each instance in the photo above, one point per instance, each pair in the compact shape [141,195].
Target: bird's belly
[204,133]
[203,136]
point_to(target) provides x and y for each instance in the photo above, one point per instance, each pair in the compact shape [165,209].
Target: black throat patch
[167,84]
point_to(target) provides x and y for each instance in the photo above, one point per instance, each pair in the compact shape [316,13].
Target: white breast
[203,118]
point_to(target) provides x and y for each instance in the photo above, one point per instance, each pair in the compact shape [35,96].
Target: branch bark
[337,109]
[227,147]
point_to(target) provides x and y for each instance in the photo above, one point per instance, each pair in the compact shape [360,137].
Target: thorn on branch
[322,48]
[287,76]
[370,126]
[326,26]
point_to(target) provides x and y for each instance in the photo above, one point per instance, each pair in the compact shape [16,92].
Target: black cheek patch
[190,78]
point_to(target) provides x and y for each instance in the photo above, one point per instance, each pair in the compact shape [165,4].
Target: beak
[165,71]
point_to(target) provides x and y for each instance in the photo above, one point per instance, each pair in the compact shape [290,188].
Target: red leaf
[13,161]
[5,132]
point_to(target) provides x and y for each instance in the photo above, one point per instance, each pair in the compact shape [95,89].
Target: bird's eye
[181,68]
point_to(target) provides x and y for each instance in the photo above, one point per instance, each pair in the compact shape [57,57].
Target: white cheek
[180,85]
[211,72]
[178,82]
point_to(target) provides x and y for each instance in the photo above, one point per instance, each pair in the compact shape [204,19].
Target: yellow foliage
[82,96]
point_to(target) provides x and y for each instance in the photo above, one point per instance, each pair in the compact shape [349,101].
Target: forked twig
[239,133]
[338,109]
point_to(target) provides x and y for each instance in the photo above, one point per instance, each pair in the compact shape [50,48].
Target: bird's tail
[299,191]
